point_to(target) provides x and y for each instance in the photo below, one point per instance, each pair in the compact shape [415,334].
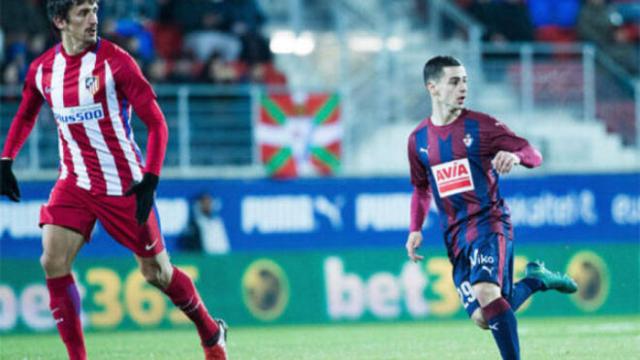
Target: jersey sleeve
[421,197]
[417,170]
[131,81]
[25,117]
[503,138]
[157,137]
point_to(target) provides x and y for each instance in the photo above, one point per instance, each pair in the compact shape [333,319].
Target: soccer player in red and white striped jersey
[91,86]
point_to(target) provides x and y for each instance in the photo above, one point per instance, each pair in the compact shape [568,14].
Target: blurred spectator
[626,12]
[157,71]
[22,18]
[205,231]
[167,33]
[506,20]
[207,28]
[129,9]
[246,16]
[11,74]
[255,49]
[213,41]
[266,73]
[246,23]
[185,69]
[219,71]
[26,31]
[594,25]
[131,35]
[554,20]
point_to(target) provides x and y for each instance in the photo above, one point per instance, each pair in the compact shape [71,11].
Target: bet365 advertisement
[315,287]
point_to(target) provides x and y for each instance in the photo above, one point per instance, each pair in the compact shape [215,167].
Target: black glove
[8,182]
[145,191]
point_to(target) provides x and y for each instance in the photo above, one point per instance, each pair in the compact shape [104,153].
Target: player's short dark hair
[433,69]
[60,8]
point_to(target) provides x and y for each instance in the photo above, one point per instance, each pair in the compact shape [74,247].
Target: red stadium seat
[167,40]
[555,34]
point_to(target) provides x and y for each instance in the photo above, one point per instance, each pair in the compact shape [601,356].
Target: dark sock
[522,290]
[503,326]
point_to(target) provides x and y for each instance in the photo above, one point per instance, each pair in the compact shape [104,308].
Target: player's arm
[19,131]
[152,117]
[157,135]
[143,99]
[511,150]
[420,201]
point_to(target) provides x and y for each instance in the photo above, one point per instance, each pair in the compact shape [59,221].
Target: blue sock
[522,290]
[504,328]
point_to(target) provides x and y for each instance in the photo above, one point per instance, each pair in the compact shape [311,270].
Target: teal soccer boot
[551,280]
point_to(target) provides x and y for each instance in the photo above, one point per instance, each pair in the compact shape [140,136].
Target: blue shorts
[487,259]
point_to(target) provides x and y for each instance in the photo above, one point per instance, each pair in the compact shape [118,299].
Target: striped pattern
[469,215]
[97,151]
[57,86]
[125,141]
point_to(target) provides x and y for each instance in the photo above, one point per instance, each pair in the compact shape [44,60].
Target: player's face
[82,24]
[451,88]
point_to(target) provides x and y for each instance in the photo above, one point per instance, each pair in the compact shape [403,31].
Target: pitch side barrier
[315,287]
[350,213]
[331,251]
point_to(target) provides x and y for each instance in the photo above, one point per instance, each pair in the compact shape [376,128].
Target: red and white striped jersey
[91,95]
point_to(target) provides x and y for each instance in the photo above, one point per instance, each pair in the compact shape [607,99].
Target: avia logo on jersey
[453,177]
[479,259]
[76,114]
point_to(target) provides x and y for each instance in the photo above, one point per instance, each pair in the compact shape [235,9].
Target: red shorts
[77,209]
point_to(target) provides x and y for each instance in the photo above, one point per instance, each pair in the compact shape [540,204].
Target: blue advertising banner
[334,213]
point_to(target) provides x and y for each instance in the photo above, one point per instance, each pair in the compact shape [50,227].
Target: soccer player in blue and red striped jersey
[91,85]
[456,157]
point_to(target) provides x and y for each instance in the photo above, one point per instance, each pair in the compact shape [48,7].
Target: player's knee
[54,266]
[152,275]
[478,319]
[155,275]
[486,292]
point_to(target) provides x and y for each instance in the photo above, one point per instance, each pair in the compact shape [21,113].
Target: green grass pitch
[550,338]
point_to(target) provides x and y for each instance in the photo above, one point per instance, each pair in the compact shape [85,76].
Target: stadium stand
[372,57]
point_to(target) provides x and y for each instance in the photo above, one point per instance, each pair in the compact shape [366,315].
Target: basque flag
[299,134]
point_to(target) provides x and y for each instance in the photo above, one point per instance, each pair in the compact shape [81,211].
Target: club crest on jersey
[468,140]
[92,84]
[453,177]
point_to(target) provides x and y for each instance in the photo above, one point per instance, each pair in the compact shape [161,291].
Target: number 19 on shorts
[466,294]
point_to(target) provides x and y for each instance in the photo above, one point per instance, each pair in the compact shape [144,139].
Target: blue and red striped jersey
[452,163]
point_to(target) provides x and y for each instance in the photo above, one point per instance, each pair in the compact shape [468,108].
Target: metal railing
[574,78]
[210,131]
